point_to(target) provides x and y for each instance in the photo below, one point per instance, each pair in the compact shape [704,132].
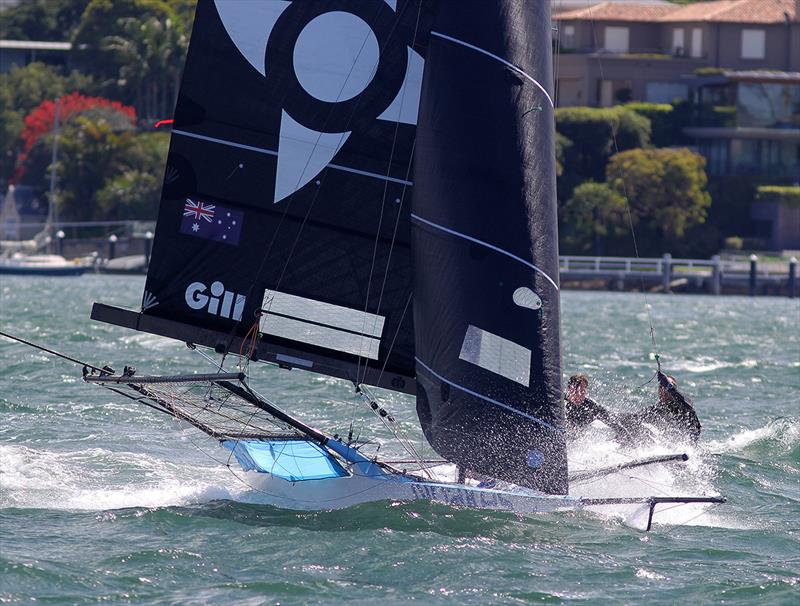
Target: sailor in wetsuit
[580,409]
[674,413]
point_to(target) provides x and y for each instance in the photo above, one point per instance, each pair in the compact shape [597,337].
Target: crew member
[674,413]
[580,409]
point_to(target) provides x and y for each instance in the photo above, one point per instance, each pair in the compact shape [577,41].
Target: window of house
[754,43]
[568,37]
[617,39]
[678,41]
[665,92]
[697,42]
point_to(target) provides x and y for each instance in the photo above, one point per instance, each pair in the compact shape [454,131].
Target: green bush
[592,132]
[734,243]
[666,190]
[788,195]
[664,130]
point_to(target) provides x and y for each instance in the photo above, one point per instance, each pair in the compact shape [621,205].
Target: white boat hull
[376,485]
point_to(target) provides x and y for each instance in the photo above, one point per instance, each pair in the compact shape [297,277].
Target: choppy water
[103,501]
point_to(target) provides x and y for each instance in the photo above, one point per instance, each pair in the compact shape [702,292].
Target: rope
[627,201]
[53,352]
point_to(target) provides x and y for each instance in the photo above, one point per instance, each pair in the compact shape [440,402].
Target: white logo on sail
[336,56]
[217,302]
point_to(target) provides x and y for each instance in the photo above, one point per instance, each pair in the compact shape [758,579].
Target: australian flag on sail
[211,221]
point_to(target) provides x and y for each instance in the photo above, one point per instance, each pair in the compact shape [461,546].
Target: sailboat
[28,257]
[365,189]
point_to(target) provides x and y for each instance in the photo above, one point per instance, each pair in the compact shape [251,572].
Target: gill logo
[219,302]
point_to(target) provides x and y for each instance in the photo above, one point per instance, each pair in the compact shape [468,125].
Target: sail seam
[272,152]
[486,398]
[486,244]
[496,58]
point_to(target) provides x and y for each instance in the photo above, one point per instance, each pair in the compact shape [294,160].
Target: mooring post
[112,245]
[667,271]
[792,277]
[716,275]
[148,247]
[60,235]
[753,275]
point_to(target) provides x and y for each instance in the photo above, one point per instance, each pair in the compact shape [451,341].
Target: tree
[41,20]
[594,212]
[130,195]
[666,190]
[151,53]
[32,84]
[137,50]
[21,90]
[596,134]
[136,192]
[562,145]
[41,120]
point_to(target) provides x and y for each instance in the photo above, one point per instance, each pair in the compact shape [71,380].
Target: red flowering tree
[41,120]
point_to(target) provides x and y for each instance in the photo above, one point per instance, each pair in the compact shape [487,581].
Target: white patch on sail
[249,24]
[393,4]
[336,56]
[322,324]
[302,154]
[497,355]
[405,106]
[525,297]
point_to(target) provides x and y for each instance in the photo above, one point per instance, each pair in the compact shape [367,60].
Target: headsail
[486,304]
[288,187]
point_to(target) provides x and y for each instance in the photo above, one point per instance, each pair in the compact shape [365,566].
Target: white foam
[595,449]
[783,431]
[99,479]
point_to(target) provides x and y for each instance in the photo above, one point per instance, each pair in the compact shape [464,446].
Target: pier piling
[667,272]
[716,275]
[753,275]
[792,277]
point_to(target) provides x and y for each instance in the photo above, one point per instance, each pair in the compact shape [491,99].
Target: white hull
[376,485]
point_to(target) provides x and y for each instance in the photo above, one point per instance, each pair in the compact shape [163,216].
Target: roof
[736,11]
[613,11]
[34,45]
[716,11]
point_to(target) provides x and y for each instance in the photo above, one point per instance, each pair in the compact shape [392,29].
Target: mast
[485,252]
[51,205]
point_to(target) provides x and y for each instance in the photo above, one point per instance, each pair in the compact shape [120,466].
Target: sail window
[497,355]
[322,324]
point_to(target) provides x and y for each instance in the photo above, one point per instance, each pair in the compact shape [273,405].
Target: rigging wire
[105,370]
[291,197]
[625,195]
[380,219]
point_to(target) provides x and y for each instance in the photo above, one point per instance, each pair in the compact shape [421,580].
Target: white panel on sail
[319,312]
[302,154]
[497,355]
[248,24]
[322,324]
[405,106]
[321,336]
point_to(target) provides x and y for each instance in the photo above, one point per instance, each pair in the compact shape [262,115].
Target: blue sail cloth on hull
[292,460]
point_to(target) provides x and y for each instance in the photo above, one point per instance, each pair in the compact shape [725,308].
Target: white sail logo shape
[335,58]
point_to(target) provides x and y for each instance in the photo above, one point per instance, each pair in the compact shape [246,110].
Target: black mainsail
[288,187]
[287,211]
[486,304]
